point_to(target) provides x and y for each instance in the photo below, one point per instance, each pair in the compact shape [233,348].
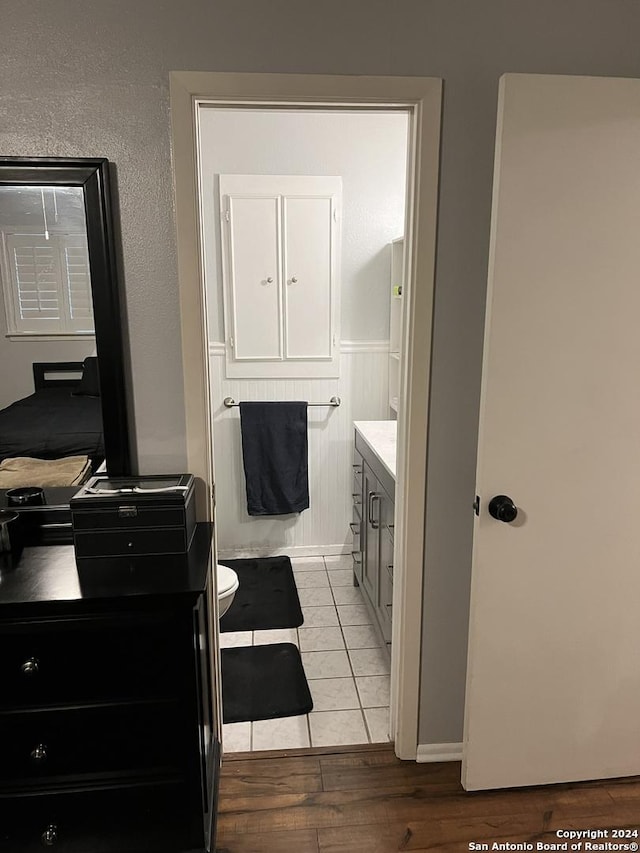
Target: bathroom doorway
[421,99]
[250,158]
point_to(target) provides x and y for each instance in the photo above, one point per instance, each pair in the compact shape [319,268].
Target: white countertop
[381,436]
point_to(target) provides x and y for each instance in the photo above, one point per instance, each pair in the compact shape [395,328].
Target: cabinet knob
[30,666]
[293,279]
[50,836]
[39,753]
[269,279]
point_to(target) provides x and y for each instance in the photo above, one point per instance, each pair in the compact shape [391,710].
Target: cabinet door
[371,561]
[308,276]
[385,577]
[254,267]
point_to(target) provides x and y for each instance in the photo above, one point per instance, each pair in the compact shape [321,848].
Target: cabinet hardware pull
[50,836]
[352,525]
[357,497]
[355,555]
[358,468]
[39,753]
[293,279]
[374,522]
[30,666]
[269,279]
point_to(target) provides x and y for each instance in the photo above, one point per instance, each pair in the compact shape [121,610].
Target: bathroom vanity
[107,717]
[372,525]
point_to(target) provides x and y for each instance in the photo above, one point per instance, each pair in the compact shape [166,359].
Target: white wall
[368,150]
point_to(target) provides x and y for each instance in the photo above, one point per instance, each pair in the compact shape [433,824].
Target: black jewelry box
[134,516]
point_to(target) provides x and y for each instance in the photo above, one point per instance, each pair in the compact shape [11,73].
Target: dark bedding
[52,423]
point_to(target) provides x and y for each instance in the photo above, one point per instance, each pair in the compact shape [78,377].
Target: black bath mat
[263,682]
[266,598]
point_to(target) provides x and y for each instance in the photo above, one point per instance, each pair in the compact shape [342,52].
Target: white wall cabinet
[281,262]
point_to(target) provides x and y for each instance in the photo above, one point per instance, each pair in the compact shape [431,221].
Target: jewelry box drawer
[40,748]
[147,819]
[82,660]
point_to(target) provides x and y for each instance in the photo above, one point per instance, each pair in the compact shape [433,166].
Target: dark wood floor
[367,801]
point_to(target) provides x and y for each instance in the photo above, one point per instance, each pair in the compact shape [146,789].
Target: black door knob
[503,508]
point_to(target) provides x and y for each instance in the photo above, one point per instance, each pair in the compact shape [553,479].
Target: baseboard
[291,551]
[431,752]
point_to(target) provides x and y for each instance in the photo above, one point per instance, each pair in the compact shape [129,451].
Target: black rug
[263,682]
[266,598]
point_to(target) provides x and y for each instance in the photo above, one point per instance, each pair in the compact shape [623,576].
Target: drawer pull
[50,836]
[357,468]
[30,666]
[355,527]
[357,557]
[374,498]
[39,753]
[357,497]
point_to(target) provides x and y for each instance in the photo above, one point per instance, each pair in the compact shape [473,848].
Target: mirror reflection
[51,431]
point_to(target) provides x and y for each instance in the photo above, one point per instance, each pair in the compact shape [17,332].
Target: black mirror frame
[92,175]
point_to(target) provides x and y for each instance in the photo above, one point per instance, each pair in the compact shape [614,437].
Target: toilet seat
[227,580]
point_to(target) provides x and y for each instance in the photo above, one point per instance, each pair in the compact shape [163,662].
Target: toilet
[227,586]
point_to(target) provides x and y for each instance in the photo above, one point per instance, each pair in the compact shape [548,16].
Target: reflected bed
[60,419]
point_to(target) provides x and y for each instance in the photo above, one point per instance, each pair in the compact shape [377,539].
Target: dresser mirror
[62,386]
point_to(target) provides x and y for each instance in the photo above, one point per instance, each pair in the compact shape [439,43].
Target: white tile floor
[347,670]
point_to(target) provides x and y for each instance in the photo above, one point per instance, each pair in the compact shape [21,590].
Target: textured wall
[87,77]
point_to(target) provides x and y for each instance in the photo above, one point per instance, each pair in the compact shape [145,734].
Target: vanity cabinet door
[385,584]
[371,561]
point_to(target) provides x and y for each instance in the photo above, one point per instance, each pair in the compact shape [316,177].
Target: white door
[553,689]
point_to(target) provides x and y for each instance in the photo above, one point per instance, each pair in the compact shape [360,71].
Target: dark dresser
[107,718]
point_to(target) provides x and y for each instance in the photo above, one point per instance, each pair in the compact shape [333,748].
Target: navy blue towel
[274,453]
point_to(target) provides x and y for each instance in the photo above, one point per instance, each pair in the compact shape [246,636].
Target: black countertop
[49,575]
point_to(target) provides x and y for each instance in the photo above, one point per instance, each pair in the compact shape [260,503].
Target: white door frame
[422,97]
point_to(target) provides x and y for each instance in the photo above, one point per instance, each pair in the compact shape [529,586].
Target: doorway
[421,98]
[304,174]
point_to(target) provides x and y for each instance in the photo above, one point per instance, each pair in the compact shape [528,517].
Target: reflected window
[44,261]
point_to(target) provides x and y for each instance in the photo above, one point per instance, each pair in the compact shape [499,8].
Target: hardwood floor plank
[456,833]
[343,776]
[287,775]
[296,841]
[380,755]
[358,808]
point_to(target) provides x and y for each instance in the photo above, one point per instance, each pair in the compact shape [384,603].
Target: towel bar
[334,401]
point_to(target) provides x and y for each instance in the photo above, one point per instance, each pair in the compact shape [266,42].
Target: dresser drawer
[82,660]
[40,748]
[144,819]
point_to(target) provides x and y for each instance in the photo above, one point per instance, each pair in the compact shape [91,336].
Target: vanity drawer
[93,659]
[40,748]
[144,819]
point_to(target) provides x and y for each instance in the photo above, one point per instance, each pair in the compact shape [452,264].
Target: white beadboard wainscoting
[323,529]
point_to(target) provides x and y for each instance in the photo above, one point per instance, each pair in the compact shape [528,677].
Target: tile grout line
[353,675]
